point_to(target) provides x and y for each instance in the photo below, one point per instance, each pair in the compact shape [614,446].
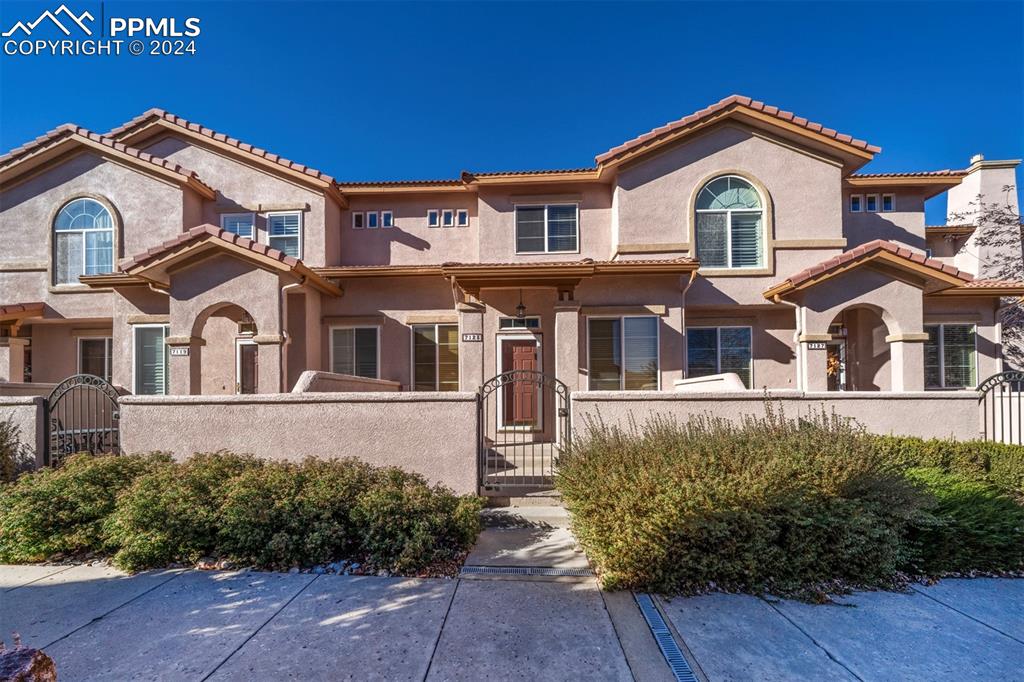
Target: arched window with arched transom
[730,224]
[83,241]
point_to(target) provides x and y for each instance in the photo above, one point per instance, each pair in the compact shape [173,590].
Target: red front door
[521,396]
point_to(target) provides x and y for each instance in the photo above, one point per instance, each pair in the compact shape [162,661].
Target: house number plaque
[816,345]
[469,338]
[179,351]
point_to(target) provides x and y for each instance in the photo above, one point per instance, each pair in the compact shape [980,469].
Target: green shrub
[971,525]
[63,509]
[767,503]
[405,524]
[996,463]
[173,512]
[15,457]
[286,514]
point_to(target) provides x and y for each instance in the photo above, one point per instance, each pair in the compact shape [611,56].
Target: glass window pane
[68,259]
[958,355]
[150,361]
[530,229]
[711,239]
[424,350]
[366,352]
[735,352]
[746,240]
[289,246]
[641,365]
[283,224]
[94,357]
[932,367]
[99,252]
[343,351]
[562,228]
[242,225]
[605,354]
[701,352]
[448,357]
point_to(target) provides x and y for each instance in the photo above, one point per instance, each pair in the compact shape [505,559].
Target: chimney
[983,184]
[994,248]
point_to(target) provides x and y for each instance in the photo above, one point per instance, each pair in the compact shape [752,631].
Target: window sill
[735,272]
[76,289]
[547,253]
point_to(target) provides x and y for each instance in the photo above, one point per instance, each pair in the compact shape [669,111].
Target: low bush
[997,463]
[766,503]
[972,525]
[63,510]
[16,457]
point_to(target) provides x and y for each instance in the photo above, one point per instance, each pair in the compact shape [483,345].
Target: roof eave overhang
[929,186]
[540,178]
[982,292]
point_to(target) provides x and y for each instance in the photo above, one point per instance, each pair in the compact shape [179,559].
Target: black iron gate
[523,425]
[82,415]
[1000,407]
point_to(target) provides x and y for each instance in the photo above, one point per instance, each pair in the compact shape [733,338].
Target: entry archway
[229,361]
[858,356]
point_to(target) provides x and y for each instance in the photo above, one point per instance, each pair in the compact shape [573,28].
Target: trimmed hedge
[996,463]
[149,511]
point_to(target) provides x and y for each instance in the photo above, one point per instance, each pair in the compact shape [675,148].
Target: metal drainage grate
[666,642]
[525,570]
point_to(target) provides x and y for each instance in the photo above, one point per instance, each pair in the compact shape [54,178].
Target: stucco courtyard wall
[433,434]
[26,413]
[923,414]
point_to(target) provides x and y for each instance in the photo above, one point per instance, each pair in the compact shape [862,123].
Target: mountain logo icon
[69,16]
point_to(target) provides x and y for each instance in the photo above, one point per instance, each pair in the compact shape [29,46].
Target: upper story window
[551,228]
[83,241]
[462,217]
[284,232]
[242,224]
[856,203]
[871,203]
[729,222]
[888,203]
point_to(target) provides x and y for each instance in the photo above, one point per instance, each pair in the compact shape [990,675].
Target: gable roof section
[67,137]
[144,126]
[151,265]
[742,108]
[931,182]
[19,311]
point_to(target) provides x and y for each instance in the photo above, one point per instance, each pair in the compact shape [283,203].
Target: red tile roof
[735,102]
[205,232]
[472,174]
[160,114]
[914,174]
[68,130]
[401,183]
[992,284]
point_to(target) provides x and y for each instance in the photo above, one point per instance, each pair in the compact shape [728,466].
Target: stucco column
[812,356]
[313,303]
[184,365]
[906,356]
[471,353]
[269,361]
[12,359]
[567,343]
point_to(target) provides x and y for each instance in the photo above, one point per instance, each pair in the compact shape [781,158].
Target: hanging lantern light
[520,309]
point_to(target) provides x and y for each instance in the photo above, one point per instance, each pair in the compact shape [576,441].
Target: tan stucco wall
[772,342]
[905,225]
[431,434]
[909,414]
[26,413]
[329,382]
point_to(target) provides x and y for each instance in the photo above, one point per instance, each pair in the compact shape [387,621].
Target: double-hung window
[150,359]
[83,241]
[729,219]
[94,356]
[551,228]
[950,356]
[284,232]
[355,351]
[623,353]
[435,357]
[716,350]
[242,224]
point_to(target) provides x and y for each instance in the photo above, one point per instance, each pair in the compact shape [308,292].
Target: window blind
[641,351]
[283,232]
[150,361]
[605,360]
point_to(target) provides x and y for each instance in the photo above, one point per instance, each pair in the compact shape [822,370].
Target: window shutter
[746,240]
[711,239]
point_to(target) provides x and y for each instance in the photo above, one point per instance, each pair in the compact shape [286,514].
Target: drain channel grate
[525,570]
[666,642]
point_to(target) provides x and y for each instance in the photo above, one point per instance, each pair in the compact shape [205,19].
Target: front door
[835,365]
[521,405]
[246,365]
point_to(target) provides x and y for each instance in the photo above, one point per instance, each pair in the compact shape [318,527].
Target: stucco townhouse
[738,247]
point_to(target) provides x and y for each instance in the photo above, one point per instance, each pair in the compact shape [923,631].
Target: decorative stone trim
[268,339]
[470,307]
[810,338]
[13,341]
[432,318]
[149,319]
[653,309]
[652,248]
[911,337]
[184,341]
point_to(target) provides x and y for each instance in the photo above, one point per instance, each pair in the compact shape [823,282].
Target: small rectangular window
[357,220]
[551,228]
[888,203]
[150,360]
[950,356]
[284,232]
[94,356]
[856,203]
[717,350]
[871,202]
[387,219]
[433,218]
[447,217]
[519,323]
[435,357]
[354,351]
[242,224]
[372,220]
[623,353]
[462,217]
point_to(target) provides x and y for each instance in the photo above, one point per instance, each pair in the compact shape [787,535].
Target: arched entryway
[857,354]
[229,360]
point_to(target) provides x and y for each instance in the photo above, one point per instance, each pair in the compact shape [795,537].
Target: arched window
[729,221]
[83,241]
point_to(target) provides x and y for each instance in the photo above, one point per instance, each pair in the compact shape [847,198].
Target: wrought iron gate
[523,425]
[1000,407]
[82,415]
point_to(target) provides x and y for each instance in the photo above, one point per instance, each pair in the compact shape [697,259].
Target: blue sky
[377,91]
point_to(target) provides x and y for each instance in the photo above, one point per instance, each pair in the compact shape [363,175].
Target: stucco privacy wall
[433,434]
[26,413]
[927,415]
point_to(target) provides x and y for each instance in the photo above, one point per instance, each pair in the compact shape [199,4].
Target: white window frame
[515,226]
[437,359]
[387,220]
[358,216]
[868,197]
[252,217]
[728,226]
[376,220]
[718,347]
[622,349]
[434,217]
[448,217]
[302,229]
[892,203]
[108,354]
[330,344]
[135,360]
[942,356]
[516,319]
[82,232]
[462,217]
[239,342]
[860,203]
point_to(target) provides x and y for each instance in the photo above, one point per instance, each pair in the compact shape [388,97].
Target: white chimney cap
[977,157]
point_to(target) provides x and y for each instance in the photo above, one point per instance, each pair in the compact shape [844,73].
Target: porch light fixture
[246,325]
[520,309]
